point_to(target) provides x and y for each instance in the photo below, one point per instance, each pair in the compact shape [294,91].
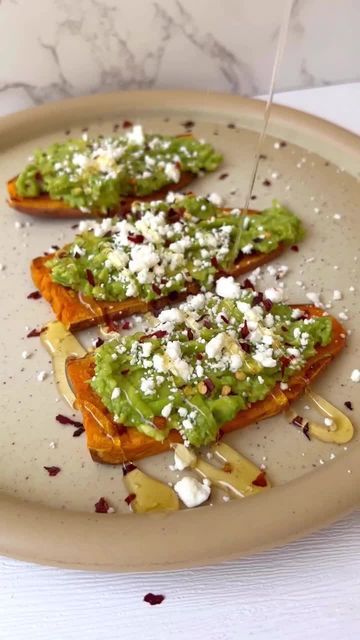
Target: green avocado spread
[93,174]
[162,246]
[195,367]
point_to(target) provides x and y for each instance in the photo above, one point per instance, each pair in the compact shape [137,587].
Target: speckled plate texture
[313,167]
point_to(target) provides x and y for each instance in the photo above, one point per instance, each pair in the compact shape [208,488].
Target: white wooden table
[308,589]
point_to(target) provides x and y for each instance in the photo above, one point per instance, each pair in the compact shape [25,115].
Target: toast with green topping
[218,362]
[102,176]
[159,254]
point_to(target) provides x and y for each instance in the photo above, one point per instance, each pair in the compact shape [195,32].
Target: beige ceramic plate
[52,520]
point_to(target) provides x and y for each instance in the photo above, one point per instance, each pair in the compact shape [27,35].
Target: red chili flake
[127,124]
[261,480]
[34,295]
[102,506]
[53,471]
[126,325]
[297,421]
[121,429]
[90,277]
[224,318]
[136,238]
[98,342]
[130,498]
[190,334]
[78,432]
[35,333]
[159,422]
[306,431]
[209,385]
[188,124]
[156,289]
[152,598]
[267,304]
[223,176]
[247,284]
[127,467]
[214,262]
[174,215]
[244,331]
[65,420]
[245,347]
[284,361]
[257,299]
[348,405]
[157,334]
[294,247]
[266,183]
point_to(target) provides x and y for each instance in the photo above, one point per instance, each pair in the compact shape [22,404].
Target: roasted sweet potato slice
[43,206]
[78,312]
[113,444]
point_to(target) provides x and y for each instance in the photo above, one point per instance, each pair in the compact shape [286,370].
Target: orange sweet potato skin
[43,206]
[77,312]
[111,444]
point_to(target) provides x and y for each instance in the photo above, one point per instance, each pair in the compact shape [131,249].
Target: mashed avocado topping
[198,365]
[93,174]
[162,246]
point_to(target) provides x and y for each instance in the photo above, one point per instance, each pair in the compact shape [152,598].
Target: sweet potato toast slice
[44,207]
[114,444]
[78,312]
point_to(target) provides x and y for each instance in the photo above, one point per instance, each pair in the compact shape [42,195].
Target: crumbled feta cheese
[191,491]
[172,172]
[314,298]
[337,295]
[355,375]
[25,355]
[273,294]
[166,411]
[41,376]
[247,249]
[147,386]
[226,287]
[136,135]
[115,393]
[215,199]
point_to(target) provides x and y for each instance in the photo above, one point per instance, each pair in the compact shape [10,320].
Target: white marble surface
[57,48]
[308,589]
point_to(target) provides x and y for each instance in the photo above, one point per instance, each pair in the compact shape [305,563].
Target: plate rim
[71,539]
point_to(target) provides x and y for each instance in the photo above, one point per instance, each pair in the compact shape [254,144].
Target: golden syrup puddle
[340,431]
[147,494]
[237,476]
[62,345]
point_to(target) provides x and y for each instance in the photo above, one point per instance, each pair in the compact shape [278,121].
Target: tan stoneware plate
[51,520]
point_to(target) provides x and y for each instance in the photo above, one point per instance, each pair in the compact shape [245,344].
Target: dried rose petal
[295,248]
[247,284]
[78,432]
[130,498]
[34,295]
[152,599]
[127,124]
[173,295]
[65,420]
[214,262]
[257,299]
[245,347]
[267,304]
[102,506]
[90,277]
[53,471]
[156,289]
[157,334]
[209,385]
[136,238]
[244,331]
[126,325]
[261,480]
[190,333]
[127,467]
[35,333]
[224,318]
